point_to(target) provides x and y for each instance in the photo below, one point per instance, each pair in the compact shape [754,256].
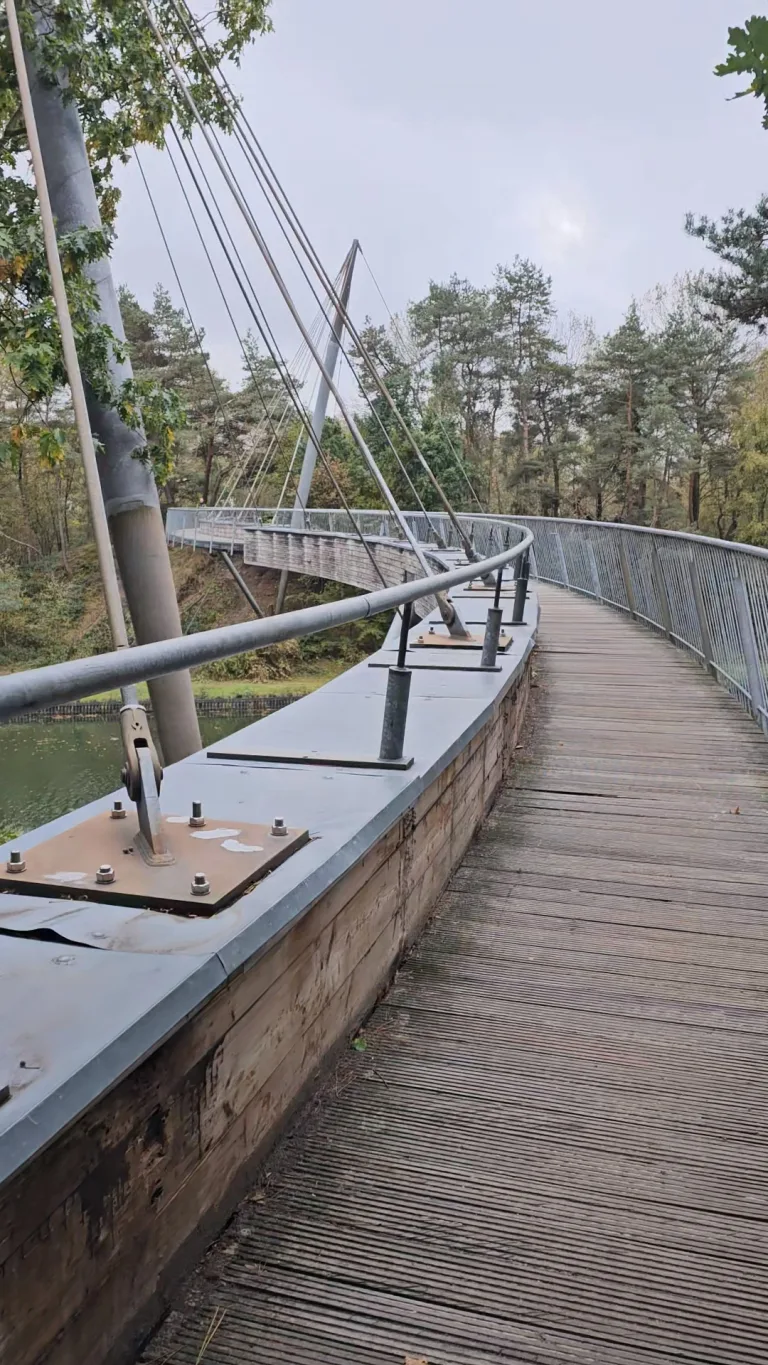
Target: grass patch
[296,686]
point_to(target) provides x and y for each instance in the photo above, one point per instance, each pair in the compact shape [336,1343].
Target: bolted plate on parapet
[229,855]
[442,640]
[478,586]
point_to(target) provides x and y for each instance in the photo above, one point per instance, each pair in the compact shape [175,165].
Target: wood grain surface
[552,1145]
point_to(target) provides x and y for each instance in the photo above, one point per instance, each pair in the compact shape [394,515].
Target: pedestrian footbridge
[478,1074]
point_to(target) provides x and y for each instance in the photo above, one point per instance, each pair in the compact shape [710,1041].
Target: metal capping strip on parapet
[34,689]
[187,991]
[196,976]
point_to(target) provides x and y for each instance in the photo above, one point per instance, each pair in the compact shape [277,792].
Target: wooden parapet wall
[96,1230]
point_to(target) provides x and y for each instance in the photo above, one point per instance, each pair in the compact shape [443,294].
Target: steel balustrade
[709,597]
[35,689]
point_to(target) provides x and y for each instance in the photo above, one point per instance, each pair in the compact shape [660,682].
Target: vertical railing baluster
[751,654]
[561,556]
[626,575]
[661,592]
[701,615]
[594,571]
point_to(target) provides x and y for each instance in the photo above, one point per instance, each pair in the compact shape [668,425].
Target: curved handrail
[707,596]
[33,689]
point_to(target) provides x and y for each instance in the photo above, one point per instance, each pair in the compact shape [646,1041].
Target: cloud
[558,225]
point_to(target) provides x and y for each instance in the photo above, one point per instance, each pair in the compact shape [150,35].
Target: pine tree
[740,239]
[618,379]
[168,356]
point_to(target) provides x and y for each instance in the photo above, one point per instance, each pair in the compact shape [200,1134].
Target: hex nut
[279,827]
[16,863]
[200,885]
[118,811]
[105,875]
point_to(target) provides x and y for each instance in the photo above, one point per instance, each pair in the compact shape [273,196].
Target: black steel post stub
[521,592]
[405,627]
[396,699]
[395,715]
[491,640]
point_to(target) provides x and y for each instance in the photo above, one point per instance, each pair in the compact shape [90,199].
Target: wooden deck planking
[554,1147]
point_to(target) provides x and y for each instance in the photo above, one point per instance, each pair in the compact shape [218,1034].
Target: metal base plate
[321,760]
[231,854]
[441,640]
[479,587]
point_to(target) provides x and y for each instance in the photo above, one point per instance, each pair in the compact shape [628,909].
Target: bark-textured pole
[130,495]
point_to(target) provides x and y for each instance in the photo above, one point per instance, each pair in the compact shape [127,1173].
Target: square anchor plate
[232,855]
[478,586]
[442,640]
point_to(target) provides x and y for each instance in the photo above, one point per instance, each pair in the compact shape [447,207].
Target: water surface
[48,768]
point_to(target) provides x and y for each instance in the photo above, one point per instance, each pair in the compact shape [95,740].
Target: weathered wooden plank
[553,1148]
[92,1237]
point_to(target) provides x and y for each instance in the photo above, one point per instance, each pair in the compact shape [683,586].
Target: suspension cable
[334,287]
[280,364]
[232,104]
[169,253]
[220,287]
[268,412]
[273,348]
[284,291]
[410,359]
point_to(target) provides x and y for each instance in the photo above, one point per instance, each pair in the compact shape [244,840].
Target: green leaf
[749,57]
[52,445]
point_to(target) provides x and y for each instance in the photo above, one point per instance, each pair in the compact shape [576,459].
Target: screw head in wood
[105,875]
[16,863]
[200,884]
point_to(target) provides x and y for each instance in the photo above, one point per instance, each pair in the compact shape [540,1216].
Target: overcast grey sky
[449,136]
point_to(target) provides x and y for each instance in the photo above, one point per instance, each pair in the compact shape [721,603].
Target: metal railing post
[493,628]
[396,700]
[751,655]
[594,571]
[561,557]
[704,635]
[626,575]
[661,592]
[522,573]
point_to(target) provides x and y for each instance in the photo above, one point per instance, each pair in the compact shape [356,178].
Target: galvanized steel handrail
[34,689]
[708,597]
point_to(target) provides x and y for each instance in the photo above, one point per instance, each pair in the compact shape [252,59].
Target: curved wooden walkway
[554,1147]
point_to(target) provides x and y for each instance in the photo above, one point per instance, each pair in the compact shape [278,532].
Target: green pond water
[49,768]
